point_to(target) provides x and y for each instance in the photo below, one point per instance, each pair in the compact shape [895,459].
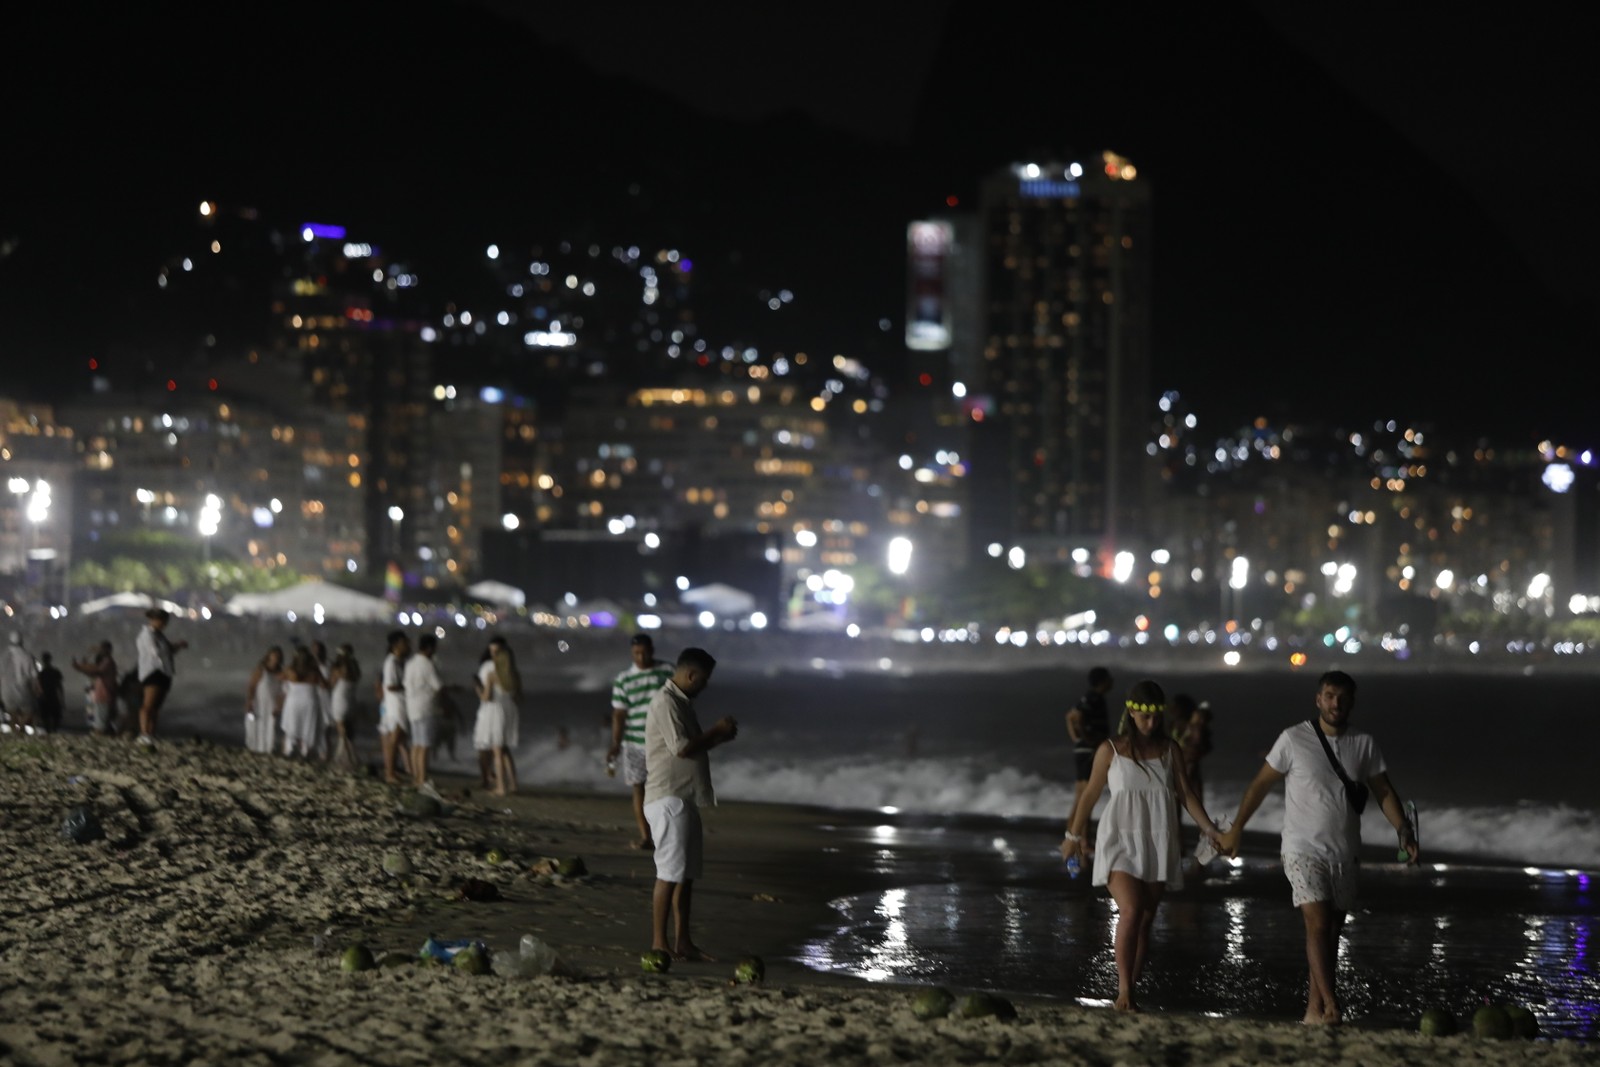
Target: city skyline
[1243,314]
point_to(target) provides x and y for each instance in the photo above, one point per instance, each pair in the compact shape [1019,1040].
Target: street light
[396,514]
[900,555]
[210,520]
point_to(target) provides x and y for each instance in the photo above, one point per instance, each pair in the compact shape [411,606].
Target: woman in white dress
[343,676]
[489,732]
[263,702]
[302,716]
[1137,852]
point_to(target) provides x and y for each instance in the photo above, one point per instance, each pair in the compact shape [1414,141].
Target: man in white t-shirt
[1321,826]
[422,699]
[677,783]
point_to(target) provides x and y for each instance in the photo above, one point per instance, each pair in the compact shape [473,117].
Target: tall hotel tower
[1061,395]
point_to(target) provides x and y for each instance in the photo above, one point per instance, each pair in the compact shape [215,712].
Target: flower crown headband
[1146,709]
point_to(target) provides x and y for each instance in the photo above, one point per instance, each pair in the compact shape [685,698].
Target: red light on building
[212,385]
[172,386]
[925,378]
[952,200]
[94,364]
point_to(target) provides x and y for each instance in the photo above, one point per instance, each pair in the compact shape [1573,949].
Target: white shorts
[675,828]
[633,764]
[422,732]
[390,720]
[1314,879]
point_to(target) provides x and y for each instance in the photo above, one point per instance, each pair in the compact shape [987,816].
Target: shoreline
[198,930]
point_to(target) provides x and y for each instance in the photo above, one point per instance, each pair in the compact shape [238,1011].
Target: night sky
[1357,216]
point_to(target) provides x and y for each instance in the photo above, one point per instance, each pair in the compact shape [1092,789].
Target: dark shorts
[1084,761]
[160,679]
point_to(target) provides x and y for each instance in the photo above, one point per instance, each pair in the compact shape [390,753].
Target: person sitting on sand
[1137,855]
[677,782]
[1322,825]
[631,693]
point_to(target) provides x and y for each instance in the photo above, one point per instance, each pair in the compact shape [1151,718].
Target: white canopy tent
[127,600]
[498,593]
[720,599]
[335,602]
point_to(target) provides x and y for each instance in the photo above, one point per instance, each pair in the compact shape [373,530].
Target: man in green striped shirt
[630,700]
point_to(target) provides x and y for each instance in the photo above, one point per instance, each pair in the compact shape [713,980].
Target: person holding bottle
[1137,853]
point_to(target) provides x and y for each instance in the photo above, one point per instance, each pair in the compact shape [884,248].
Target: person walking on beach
[422,689]
[156,669]
[19,684]
[342,678]
[677,783]
[263,703]
[1328,770]
[102,671]
[631,693]
[1088,725]
[1137,855]
[393,725]
[489,729]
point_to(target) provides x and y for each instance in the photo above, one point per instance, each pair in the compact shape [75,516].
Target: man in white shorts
[422,699]
[677,782]
[630,702]
[1322,825]
[393,726]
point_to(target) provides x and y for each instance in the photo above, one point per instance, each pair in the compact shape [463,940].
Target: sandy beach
[209,922]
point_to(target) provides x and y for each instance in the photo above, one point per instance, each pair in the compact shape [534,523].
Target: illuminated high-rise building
[1062,409]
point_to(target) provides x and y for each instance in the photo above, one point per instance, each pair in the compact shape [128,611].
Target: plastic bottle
[1074,868]
[535,957]
[611,768]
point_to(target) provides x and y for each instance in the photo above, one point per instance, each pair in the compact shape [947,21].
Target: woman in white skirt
[302,716]
[1137,853]
[263,703]
[489,731]
[343,676]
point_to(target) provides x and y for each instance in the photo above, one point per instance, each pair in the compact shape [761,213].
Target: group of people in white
[304,706]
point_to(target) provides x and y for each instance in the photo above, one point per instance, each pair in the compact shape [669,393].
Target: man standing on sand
[393,726]
[102,672]
[422,686]
[1088,724]
[631,693]
[1322,824]
[677,782]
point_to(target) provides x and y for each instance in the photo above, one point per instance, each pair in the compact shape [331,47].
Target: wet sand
[209,922]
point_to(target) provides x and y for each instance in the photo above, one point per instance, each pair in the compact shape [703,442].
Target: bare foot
[1332,1017]
[692,954]
[1126,1003]
[391,779]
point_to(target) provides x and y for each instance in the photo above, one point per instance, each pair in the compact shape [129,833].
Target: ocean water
[951,789]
